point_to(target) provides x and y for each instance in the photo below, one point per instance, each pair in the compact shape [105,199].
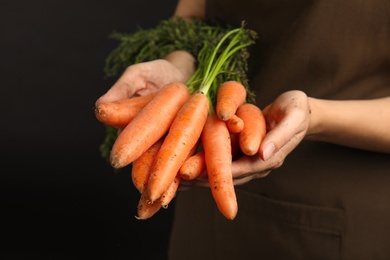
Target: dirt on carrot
[149,125]
[146,210]
[218,157]
[141,167]
[119,113]
[230,95]
[193,166]
[170,193]
[182,118]
[116,115]
[254,130]
[183,135]
[235,124]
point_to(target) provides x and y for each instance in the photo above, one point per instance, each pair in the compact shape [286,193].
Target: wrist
[183,61]
[314,124]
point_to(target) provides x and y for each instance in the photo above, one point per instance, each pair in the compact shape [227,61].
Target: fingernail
[268,151]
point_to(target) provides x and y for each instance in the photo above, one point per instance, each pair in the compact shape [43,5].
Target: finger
[243,180]
[125,87]
[185,185]
[201,183]
[120,90]
[290,130]
[249,165]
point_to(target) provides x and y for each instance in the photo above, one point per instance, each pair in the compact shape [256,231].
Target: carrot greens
[220,50]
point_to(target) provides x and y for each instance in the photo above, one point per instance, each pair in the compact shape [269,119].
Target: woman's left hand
[288,120]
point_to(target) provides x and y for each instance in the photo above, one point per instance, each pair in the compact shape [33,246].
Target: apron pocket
[267,228]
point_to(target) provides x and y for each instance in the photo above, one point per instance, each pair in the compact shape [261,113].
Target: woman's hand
[146,77]
[288,120]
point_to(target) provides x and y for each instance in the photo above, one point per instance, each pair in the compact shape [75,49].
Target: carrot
[119,113]
[183,134]
[141,167]
[149,125]
[145,209]
[193,166]
[218,157]
[170,193]
[230,95]
[254,130]
[235,124]
[116,115]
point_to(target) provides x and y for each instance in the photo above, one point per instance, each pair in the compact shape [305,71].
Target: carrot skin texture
[145,209]
[170,193]
[254,130]
[235,124]
[230,95]
[149,125]
[218,156]
[200,169]
[141,167]
[193,166]
[116,115]
[119,113]
[183,135]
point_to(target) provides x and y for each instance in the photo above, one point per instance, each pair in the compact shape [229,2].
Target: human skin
[291,117]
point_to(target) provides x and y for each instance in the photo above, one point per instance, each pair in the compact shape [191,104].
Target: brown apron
[325,201]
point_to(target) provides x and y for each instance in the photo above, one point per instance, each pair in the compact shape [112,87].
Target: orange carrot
[254,130]
[218,155]
[183,134]
[230,95]
[193,166]
[116,115]
[145,209]
[149,125]
[235,124]
[141,167]
[119,113]
[170,193]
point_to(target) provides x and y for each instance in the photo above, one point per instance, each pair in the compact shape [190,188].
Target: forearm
[184,62]
[362,124]
[190,8]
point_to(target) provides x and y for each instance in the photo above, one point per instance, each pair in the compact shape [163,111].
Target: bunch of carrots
[196,131]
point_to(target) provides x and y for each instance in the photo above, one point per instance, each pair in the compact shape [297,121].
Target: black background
[59,198]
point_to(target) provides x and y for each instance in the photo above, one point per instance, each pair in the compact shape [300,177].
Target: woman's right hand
[288,119]
[146,77]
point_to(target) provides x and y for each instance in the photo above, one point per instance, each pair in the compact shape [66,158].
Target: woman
[321,73]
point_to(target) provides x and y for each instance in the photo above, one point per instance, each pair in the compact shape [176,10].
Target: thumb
[120,90]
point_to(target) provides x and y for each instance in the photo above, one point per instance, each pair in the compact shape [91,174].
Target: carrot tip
[224,116]
[116,162]
[116,165]
[230,215]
